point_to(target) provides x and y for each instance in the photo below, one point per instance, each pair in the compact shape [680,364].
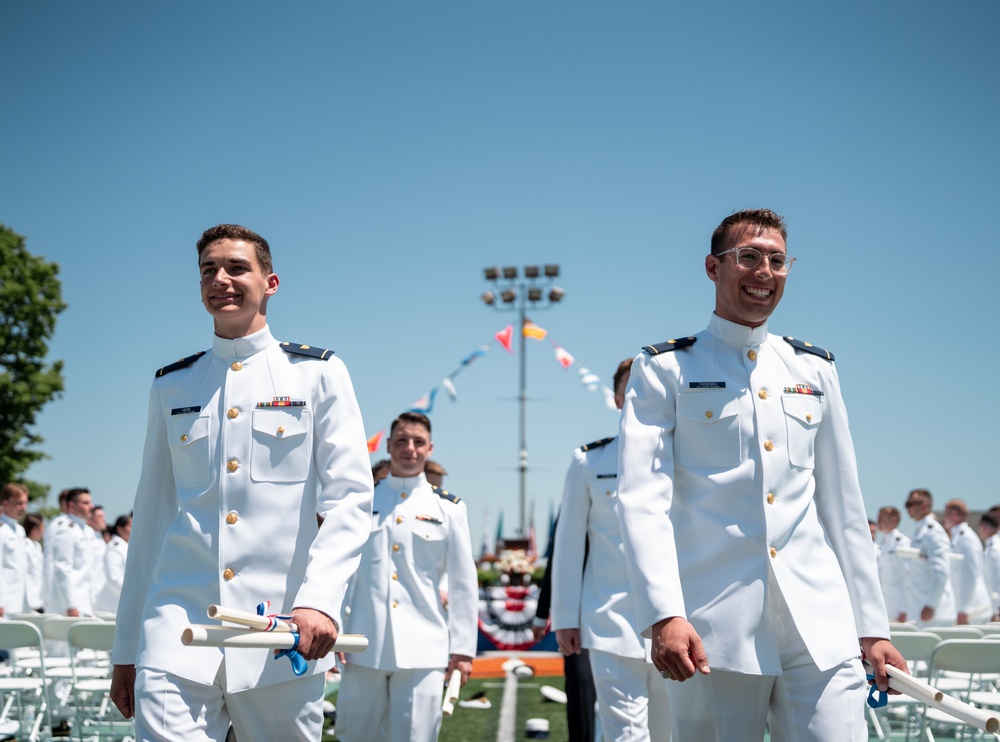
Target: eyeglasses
[750,257]
[912,503]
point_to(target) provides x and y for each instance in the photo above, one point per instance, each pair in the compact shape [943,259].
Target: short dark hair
[990,521]
[73,493]
[237,232]
[120,522]
[411,417]
[926,494]
[623,368]
[759,219]
[32,521]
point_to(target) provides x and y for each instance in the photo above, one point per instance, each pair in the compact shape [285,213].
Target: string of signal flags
[504,338]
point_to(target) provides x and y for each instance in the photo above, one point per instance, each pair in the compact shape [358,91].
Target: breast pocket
[803,414]
[188,436]
[282,442]
[708,430]
[430,545]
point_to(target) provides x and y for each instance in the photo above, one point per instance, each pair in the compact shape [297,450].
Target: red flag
[564,358]
[375,441]
[504,337]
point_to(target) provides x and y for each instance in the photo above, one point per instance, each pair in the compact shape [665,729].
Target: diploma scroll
[988,721]
[451,694]
[250,620]
[225,636]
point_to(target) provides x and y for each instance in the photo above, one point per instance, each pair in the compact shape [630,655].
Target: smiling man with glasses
[745,532]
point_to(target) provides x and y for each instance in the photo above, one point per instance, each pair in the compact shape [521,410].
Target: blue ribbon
[299,664]
[876,698]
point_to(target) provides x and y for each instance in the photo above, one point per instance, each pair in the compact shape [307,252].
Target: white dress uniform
[418,533]
[591,592]
[13,567]
[232,481]
[69,552]
[967,582]
[894,572]
[930,575]
[35,574]
[991,571]
[741,511]
[98,547]
[113,567]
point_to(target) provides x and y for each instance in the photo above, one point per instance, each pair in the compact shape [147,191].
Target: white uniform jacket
[594,595]
[735,461]
[69,552]
[894,572]
[416,537]
[35,575]
[967,574]
[13,567]
[930,575]
[991,570]
[113,566]
[225,510]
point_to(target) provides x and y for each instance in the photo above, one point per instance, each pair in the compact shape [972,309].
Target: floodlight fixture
[531,271]
[489,298]
[534,294]
[508,296]
[510,272]
[556,294]
[491,274]
[551,270]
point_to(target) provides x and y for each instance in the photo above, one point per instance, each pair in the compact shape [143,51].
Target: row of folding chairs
[961,661]
[59,673]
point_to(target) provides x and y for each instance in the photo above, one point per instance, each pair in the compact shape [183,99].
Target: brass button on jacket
[228,574]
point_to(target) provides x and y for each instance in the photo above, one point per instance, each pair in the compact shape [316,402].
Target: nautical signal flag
[564,357]
[504,337]
[375,441]
[531,330]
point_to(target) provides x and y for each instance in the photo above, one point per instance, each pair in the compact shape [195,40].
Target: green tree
[30,301]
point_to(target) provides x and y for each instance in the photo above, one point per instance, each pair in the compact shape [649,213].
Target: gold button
[228,574]
[770,498]
[233,413]
[608,493]
[809,418]
[236,366]
[395,547]
[281,429]
[403,495]
[774,552]
[762,394]
[399,518]
[395,576]
[708,414]
[394,604]
[752,354]
[183,438]
[768,446]
[232,518]
[233,465]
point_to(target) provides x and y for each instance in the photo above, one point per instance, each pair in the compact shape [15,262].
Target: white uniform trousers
[631,697]
[802,704]
[172,709]
[397,705]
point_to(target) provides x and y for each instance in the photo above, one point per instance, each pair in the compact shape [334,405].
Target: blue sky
[389,151]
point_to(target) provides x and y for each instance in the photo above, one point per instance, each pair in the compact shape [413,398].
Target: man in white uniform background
[932,600]
[13,550]
[972,602]
[68,547]
[893,568]
[246,445]
[745,531]
[989,532]
[592,603]
[393,690]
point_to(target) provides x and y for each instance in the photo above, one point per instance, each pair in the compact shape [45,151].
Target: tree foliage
[30,301]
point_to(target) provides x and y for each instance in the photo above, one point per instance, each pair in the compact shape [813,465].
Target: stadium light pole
[517,290]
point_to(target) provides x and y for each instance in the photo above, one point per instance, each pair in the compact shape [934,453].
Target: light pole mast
[515,295]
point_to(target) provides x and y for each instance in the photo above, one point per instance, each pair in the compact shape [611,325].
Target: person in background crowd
[931,602]
[34,529]
[13,550]
[989,532]
[972,601]
[115,554]
[893,569]
[98,547]
[380,470]
[435,473]
[69,547]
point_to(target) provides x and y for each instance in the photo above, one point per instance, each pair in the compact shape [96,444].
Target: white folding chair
[971,658]
[30,694]
[96,717]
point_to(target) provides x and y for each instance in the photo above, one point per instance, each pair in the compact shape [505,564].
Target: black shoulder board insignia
[183,362]
[597,444]
[655,350]
[306,350]
[809,348]
[445,494]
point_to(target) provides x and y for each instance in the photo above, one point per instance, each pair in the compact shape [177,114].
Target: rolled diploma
[243,618]
[979,718]
[451,694]
[223,636]
[908,552]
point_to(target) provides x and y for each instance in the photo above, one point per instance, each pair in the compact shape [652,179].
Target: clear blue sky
[389,151]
